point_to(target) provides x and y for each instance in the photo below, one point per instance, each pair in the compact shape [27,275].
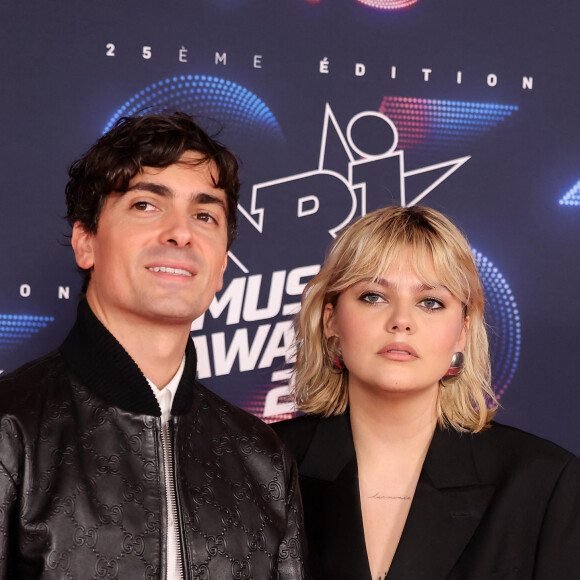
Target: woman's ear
[463,336]
[328,321]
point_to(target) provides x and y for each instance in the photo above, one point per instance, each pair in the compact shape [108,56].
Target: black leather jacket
[82,487]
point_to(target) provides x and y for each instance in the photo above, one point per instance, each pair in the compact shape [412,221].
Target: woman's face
[397,335]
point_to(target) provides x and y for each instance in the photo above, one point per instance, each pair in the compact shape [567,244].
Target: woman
[403,473]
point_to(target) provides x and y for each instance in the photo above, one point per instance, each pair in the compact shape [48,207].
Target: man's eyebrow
[156,188]
[165,191]
[209,198]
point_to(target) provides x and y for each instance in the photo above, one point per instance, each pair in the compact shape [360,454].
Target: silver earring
[456,366]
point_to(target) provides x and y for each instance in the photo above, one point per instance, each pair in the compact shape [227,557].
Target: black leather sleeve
[292,555]
[10,460]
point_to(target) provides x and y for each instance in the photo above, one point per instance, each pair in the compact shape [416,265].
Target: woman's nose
[400,319]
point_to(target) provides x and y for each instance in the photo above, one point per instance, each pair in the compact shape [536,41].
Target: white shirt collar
[166,395]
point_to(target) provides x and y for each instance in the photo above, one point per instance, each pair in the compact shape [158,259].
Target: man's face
[160,249]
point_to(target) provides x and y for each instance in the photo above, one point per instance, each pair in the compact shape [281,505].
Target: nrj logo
[283,238]
[370,179]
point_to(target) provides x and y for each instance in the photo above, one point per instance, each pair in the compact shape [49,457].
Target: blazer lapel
[448,505]
[330,491]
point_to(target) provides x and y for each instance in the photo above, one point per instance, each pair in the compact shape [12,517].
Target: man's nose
[176,230]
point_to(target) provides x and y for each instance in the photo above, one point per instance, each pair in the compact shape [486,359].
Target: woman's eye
[431,304]
[371,297]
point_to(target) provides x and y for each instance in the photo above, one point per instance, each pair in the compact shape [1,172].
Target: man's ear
[328,320]
[82,244]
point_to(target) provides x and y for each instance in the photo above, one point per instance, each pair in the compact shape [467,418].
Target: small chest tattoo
[379,496]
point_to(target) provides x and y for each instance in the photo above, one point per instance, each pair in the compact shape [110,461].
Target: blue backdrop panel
[335,108]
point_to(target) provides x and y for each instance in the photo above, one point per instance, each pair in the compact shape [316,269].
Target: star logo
[359,170]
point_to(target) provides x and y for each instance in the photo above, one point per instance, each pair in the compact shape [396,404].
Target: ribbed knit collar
[104,366]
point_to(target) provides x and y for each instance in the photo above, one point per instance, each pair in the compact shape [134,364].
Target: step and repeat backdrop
[336,108]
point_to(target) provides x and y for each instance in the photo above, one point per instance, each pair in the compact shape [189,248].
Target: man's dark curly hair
[151,140]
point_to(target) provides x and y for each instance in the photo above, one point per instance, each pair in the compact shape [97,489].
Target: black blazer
[498,505]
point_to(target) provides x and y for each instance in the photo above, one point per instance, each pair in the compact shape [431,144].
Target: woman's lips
[399,352]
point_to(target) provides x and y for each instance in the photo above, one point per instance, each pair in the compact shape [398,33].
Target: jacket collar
[449,501]
[329,483]
[104,366]
[331,449]
[450,461]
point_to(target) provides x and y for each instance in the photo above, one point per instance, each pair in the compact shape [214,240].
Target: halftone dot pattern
[239,110]
[437,125]
[503,320]
[16,329]
[572,196]
[388,4]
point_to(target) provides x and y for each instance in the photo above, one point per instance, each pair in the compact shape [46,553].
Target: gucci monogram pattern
[82,494]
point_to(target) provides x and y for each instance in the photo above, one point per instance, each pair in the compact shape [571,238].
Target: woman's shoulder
[297,433]
[516,449]
[302,423]
[517,439]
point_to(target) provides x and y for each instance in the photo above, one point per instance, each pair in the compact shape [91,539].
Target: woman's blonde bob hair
[363,252]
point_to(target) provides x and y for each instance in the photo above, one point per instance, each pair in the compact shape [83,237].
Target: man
[114,461]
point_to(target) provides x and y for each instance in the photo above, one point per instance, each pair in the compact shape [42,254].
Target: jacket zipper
[171,499]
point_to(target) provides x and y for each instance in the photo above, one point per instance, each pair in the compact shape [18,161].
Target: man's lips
[399,351]
[173,270]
